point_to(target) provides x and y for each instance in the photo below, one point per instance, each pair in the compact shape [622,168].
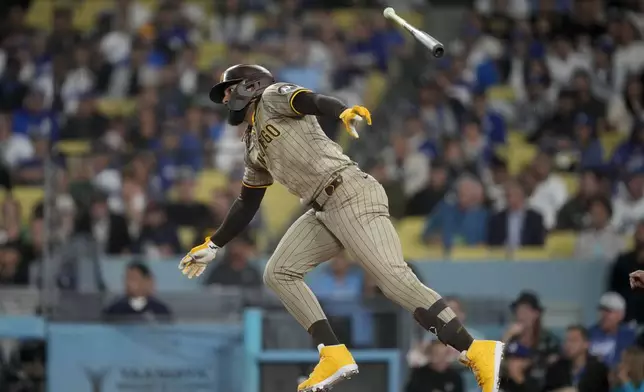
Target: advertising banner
[106,358]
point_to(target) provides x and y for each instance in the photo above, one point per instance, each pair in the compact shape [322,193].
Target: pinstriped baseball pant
[356,218]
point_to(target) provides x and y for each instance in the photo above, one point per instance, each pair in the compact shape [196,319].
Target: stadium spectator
[85,122]
[235,268]
[610,337]
[130,202]
[423,202]
[460,218]
[573,214]
[556,131]
[587,150]
[159,236]
[109,230]
[528,331]
[518,360]
[437,374]
[492,123]
[628,204]
[630,373]
[550,192]
[629,53]
[517,225]
[587,102]
[475,145]
[577,368]
[495,177]
[409,167]
[393,187]
[13,269]
[600,241]
[185,210]
[618,282]
[138,303]
[625,110]
[438,115]
[340,289]
[629,156]
[14,148]
[10,221]
[31,171]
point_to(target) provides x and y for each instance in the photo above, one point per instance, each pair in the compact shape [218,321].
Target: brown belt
[329,190]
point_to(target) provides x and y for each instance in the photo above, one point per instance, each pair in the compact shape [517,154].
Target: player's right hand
[195,262]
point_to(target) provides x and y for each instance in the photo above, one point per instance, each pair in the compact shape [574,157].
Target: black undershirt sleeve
[318,104]
[239,216]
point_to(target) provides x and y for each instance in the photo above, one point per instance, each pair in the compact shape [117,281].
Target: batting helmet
[250,81]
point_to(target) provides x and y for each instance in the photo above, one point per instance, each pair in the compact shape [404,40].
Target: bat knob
[388,12]
[438,51]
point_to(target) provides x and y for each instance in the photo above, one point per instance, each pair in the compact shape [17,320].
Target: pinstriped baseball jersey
[289,147]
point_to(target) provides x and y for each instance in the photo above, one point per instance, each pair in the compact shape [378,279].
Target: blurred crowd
[114,121]
[132,92]
[605,356]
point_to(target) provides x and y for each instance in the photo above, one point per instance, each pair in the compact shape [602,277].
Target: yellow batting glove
[195,262]
[352,115]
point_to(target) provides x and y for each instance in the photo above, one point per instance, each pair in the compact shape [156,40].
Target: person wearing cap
[610,337]
[518,359]
[577,368]
[528,331]
[626,277]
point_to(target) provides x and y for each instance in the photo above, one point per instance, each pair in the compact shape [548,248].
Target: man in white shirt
[628,208]
[563,61]
[550,193]
[13,148]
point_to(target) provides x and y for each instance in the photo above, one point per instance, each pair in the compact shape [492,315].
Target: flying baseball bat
[431,43]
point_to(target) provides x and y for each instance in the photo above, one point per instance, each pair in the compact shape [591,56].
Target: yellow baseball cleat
[336,364]
[484,358]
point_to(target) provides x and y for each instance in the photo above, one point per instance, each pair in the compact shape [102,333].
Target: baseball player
[348,210]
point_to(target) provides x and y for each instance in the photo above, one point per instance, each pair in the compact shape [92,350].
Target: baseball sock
[322,333]
[449,330]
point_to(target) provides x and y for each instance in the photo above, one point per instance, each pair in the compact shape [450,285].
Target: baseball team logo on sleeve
[287,88]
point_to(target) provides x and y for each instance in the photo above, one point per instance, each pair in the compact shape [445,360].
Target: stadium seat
[344,18]
[610,141]
[281,208]
[40,14]
[469,253]
[86,12]
[572,183]
[375,88]
[74,147]
[529,254]
[519,156]
[207,181]
[116,107]
[186,236]
[29,197]
[561,244]
[516,138]
[208,52]
[501,93]
[409,230]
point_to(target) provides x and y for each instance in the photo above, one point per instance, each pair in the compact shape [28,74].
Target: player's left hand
[637,279]
[353,114]
[195,262]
